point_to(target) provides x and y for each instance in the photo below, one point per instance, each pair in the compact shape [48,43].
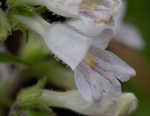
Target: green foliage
[37,112]
[20,111]
[5,101]
[25,10]
[8,58]
[5,27]
[34,49]
[143,100]
[29,97]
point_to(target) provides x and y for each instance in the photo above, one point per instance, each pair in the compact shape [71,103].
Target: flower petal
[122,69]
[102,41]
[130,36]
[67,44]
[67,8]
[96,16]
[89,28]
[92,81]
[88,83]
[110,84]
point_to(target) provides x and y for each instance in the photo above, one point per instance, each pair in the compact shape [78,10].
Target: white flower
[67,8]
[103,9]
[65,41]
[130,36]
[72,100]
[98,20]
[97,16]
[67,44]
[99,72]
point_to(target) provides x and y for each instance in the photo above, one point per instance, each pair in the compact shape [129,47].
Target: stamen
[89,60]
[88,5]
[99,13]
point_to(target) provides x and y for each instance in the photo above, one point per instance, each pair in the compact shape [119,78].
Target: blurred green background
[138,13]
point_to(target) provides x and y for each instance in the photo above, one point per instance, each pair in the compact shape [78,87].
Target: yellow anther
[88,5]
[89,60]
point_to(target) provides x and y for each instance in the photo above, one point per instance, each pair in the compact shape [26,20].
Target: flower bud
[106,106]
[127,104]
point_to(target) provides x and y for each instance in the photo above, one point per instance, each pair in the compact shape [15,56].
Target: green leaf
[8,58]
[35,112]
[30,96]
[34,50]
[5,101]
[32,112]
[5,28]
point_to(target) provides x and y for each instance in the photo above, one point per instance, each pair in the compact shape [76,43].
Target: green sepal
[5,28]
[23,10]
[34,50]
[30,97]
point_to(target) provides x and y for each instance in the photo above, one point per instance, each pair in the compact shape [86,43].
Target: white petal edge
[67,44]
[89,28]
[93,81]
[102,41]
[119,66]
[110,84]
[100,34]
[88,83]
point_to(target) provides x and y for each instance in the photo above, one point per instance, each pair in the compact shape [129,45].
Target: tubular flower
[74,40]
[100,71]
[97,16]
[94,9]
[81,44]
[69,45]
[72,100]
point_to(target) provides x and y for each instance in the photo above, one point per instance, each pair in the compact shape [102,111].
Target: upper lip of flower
[100,12]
